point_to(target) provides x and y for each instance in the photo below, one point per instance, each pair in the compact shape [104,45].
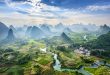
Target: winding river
[85,37]
[57,64]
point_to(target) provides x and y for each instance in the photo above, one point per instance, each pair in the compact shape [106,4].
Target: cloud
[36,8]
[98,7]
[37,11]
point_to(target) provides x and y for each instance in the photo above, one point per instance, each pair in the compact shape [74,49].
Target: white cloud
[36,8]
[42,13]
[98,7]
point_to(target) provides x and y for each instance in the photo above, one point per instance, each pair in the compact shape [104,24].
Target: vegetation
[26,57]
[102,70]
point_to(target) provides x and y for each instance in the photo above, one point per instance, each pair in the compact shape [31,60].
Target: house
[83,51]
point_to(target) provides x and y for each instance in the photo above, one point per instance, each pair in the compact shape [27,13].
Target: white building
[83,51]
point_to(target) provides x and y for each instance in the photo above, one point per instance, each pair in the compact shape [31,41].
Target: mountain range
[3,31]
[36,33]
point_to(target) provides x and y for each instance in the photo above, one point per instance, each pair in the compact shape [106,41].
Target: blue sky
[55,11]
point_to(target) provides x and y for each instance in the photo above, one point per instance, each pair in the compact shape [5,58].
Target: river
[57,64]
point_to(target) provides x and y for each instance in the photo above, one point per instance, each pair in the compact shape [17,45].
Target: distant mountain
[65,38]
[36,32]
[25,27]
[67,30]
[10,36]
[13,28]
[104,29]
[102,42]
[59,27]
[21,31]
[58,40]
[46,29]
[3,31]
[28,31]
[83,27]
[9,39]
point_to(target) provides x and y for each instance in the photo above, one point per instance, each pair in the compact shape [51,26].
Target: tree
[24,59]
[103,70]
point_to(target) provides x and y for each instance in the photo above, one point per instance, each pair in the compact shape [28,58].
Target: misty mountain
[82,27]
[104,29]
[36,32]
[28,31]
[13,28]
[102,42]
[67,30]
[3,31]
[65,38]
[20,32]
[59,27]
[9,39]
[10,36]
[46,29]
[25,27]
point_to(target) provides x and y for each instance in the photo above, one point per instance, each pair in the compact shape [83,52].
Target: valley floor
[35,57]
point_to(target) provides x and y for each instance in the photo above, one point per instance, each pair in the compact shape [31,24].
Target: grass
[91,70]
[44,59]
[39,44]
[15,70]
[67,73]
[78,37]
[70,60]
[3,69]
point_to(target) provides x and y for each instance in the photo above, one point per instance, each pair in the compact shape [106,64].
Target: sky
[32,12]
